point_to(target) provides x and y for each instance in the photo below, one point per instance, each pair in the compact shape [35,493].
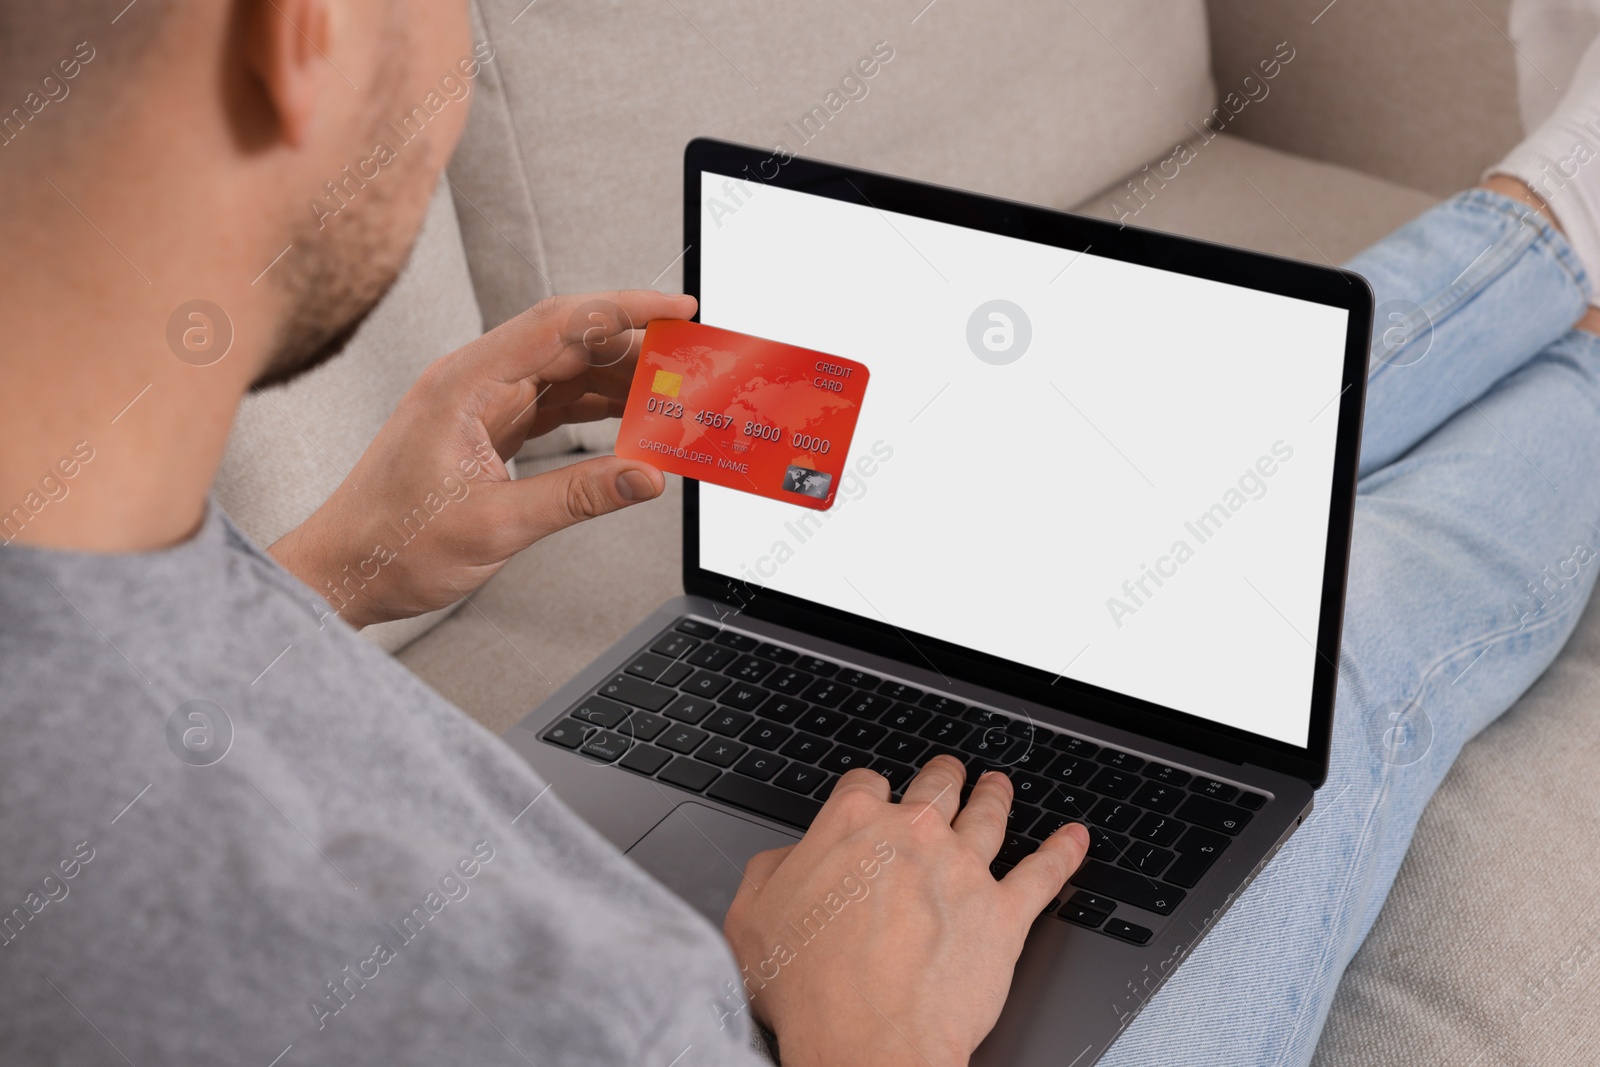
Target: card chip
[667,383]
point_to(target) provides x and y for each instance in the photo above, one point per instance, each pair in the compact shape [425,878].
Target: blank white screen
[1016,500]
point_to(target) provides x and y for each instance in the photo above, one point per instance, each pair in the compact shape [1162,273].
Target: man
[230,830]
[339,866]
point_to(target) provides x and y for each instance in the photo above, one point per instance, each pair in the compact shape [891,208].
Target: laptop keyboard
[769,729]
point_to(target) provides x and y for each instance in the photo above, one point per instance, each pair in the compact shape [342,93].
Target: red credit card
[742,412]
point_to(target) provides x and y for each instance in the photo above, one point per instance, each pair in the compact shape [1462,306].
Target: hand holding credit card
[742,412]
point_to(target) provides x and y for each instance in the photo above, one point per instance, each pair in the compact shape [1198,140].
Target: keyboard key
[942,705]
[1210,787]
[789,681]
[776,653]
[1157,829]
[907,719]
[568,733]
[1021,817]
[1093,901]
[780,805]
[1071,800]
[828,693]
[682,739]
[705,684]
[1213,814]
[842,758]
[990,745]
[1035,758]
[1160,772]
[600,712]
[638,692]
[821,721]
[1122,761]
[654,668]
[804,746]
[744,696]
[859,679]
[1251,801]
[820,667]
[1128,887]
[644,726]
[900,691]
[727,722]
[1114,815]
[749,669]
[1029,788]
[782,709]
[799,778]
[1197,851]
[1071,770]
[690,709]
[646,759]
[981,717]
[1015,849]
[902,747]
[861,734]
[1127,931]
[866,705]
[1146,858]
[674,645]
[767,735]
[696,628]
[721,752]
[940,729]
[712,657]
[737,641]
[1076,913]
[604,745]
[829,780]
[1114,783]
[1157,797]
[1077,746]
[899,774]
[1105,845]
[760,765]
[689,774]
[1047,824]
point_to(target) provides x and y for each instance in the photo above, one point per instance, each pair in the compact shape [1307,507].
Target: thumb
[549,502]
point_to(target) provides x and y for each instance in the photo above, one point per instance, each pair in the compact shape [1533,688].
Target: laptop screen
[1104,471]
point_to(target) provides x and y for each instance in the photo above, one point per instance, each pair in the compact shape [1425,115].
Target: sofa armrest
[1423,93]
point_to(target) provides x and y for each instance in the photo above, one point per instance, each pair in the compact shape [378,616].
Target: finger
[983,820]
[861,780]
[936,789]
[591,408]
[763,865]
[556,338]
[541,505]
[1039,877]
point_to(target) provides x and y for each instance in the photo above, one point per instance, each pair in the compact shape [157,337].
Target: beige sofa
[568,179]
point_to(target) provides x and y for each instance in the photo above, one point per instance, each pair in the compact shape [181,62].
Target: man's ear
[286,49]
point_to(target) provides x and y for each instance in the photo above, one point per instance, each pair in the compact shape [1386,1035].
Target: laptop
[1093,531]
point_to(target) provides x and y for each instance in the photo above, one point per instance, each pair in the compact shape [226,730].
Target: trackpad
[699,853]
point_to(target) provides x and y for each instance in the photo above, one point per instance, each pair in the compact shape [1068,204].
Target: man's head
[317,128]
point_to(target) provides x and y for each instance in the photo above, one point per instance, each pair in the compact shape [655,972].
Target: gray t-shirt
[229,827]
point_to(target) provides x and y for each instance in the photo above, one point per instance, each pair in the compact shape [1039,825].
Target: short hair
[47,49]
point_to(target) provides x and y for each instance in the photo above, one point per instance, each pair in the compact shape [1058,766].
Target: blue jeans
[1472,560]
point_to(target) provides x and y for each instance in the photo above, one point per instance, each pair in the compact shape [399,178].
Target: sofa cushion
[293,444]
[573,153]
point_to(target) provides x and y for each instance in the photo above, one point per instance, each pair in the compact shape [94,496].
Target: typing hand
[882,937]
[429,512]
